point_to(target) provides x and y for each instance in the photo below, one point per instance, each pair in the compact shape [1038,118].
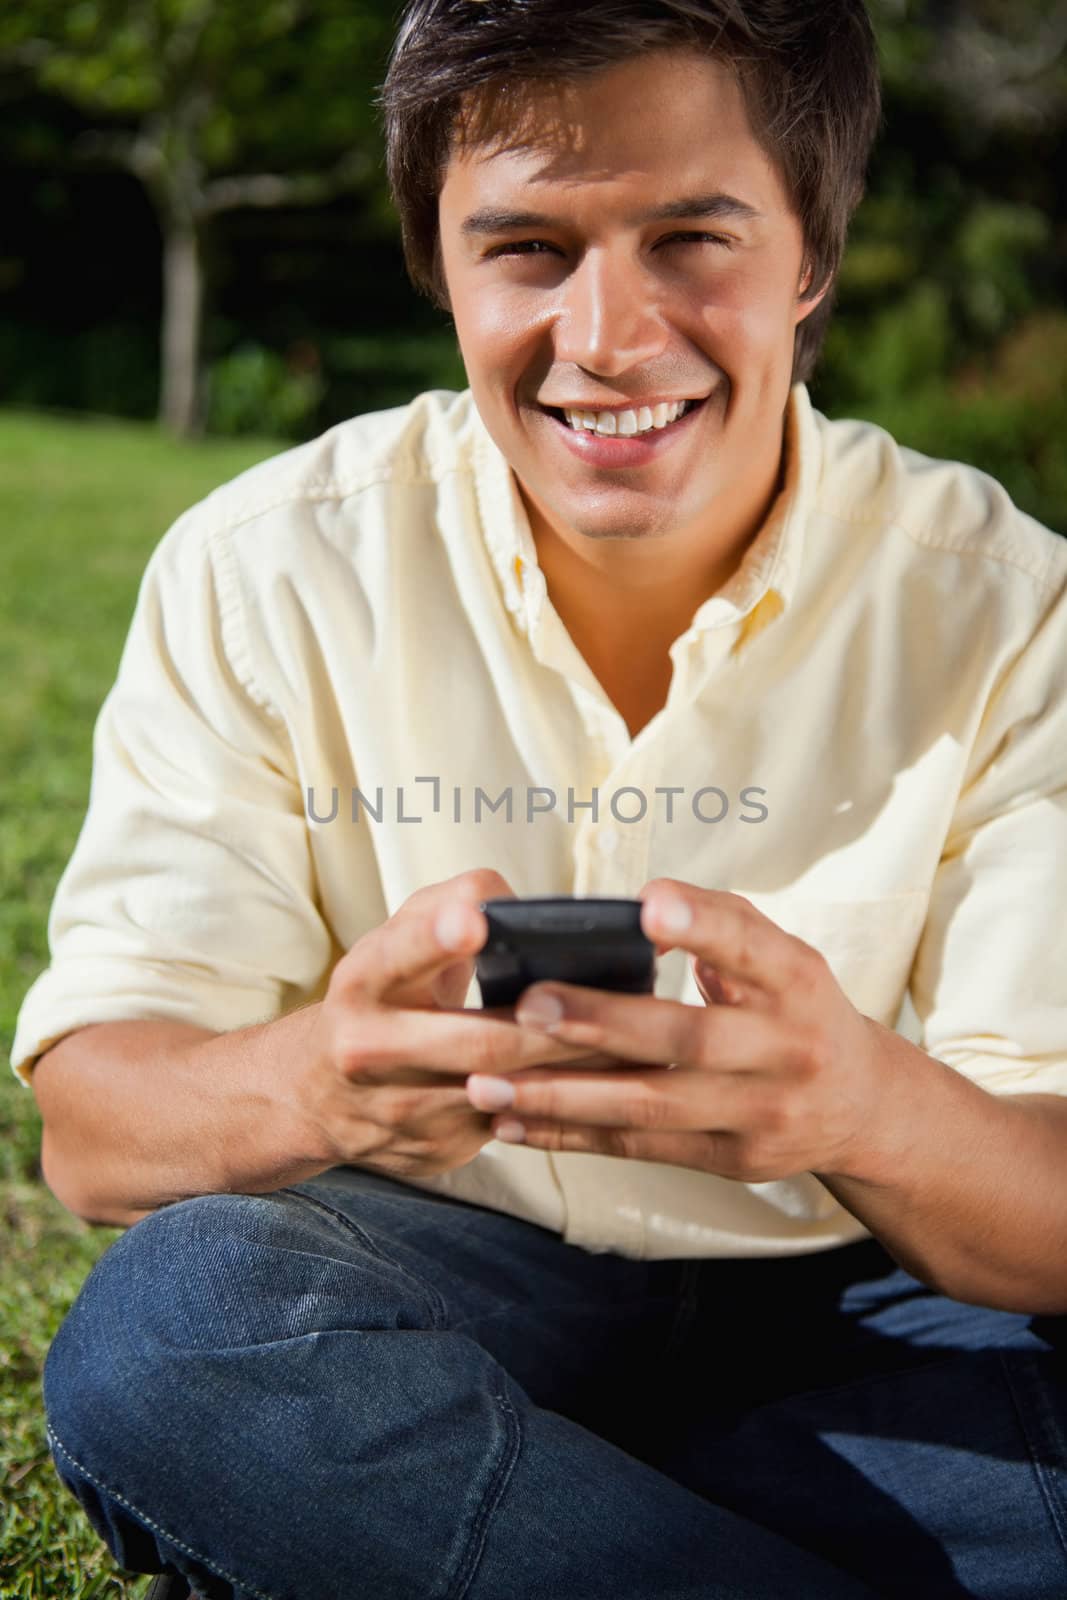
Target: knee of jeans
[154,1292]
[199,1280]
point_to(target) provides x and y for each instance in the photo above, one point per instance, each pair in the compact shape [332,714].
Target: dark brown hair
[808,70]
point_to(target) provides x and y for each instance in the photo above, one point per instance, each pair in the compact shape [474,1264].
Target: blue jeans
[355,1388]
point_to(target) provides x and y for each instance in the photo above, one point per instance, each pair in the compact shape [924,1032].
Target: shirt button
[608,840]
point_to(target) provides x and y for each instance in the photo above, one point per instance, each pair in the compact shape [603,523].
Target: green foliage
[111,368]
[62,624]
[201,96]
[983,255]
[253,391]
[1012,437]
[947,328]
[892,350]
[372,371]
[994,250]
[223,81]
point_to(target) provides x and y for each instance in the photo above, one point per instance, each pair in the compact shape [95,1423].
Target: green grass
[82,504]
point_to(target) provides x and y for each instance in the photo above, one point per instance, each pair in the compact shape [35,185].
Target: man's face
[605,305]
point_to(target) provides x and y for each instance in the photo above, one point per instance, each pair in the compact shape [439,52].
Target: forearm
[966,1189]
[138,1114]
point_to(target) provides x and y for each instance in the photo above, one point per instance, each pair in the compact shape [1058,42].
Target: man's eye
[538,246]
[701,238]
[519,247]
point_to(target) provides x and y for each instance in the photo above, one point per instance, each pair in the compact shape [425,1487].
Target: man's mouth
[627,439]
[628,423]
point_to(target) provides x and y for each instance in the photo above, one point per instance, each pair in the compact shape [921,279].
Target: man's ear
[806,307]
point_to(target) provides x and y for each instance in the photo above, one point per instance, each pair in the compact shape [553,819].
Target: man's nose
[611,318]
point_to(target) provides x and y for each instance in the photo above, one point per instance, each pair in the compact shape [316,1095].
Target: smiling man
[754,1286]
[626,288]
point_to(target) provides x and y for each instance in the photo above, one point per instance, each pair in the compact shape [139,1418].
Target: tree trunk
[183,294]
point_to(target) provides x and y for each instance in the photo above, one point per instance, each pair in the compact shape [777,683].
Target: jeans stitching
[1033,1443]
[490,1500]
[178,1544]
[436,1304]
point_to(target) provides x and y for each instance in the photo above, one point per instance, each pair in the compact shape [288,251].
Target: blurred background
[207,179]
[199,264]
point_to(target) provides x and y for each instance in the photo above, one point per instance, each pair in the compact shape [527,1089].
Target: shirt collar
[760,590]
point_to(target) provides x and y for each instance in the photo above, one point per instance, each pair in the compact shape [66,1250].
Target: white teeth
[628,422]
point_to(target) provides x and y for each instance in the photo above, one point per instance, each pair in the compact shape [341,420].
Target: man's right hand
[392,1044]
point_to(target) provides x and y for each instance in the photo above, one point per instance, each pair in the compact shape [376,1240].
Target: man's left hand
[778,1074]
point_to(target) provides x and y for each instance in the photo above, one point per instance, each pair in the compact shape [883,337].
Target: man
[730,1290]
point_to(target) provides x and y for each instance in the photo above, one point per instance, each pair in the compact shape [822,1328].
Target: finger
[411,950]
[715,989]
[412,1097]
[434,927]
[429,1077]
[649,1028]
[449,985]
[723,930]
[696,1150]
[685,1099]
[386,1042]
[478,883]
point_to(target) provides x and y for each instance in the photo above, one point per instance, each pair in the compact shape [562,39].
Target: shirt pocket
[870,944]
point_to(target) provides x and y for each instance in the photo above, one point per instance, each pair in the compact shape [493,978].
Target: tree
[1006,60]
[212,105]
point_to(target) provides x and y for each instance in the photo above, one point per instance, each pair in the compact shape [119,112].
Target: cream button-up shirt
[345,679]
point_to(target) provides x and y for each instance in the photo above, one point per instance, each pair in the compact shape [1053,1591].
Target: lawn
[82,504]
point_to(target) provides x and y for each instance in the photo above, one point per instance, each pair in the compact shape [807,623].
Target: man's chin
[619,530]
[617,521]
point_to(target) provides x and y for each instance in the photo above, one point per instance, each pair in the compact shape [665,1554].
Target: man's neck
[625,601]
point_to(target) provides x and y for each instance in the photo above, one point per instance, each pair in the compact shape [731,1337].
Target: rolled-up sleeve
[190,894]
[989,981]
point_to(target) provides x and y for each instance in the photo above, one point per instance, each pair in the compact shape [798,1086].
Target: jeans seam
[435,1302]
[179,1544]
[1034,1443]
[509,1455]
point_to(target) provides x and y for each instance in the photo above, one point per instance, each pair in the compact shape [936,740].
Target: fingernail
[538,1010]
[450,926]
[671,916]
[510,1131]
[489,1094]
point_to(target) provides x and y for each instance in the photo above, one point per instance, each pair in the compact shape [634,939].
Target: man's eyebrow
[717,206]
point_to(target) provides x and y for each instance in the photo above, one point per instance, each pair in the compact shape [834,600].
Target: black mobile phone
[598,943]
